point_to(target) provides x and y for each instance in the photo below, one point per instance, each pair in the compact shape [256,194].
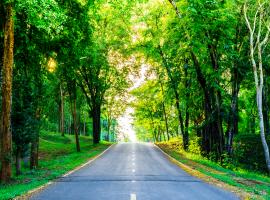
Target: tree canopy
[69,67]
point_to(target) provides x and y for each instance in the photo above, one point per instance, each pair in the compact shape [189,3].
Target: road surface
[132,171]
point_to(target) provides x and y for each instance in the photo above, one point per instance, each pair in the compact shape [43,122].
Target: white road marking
[133,170]
[133,197]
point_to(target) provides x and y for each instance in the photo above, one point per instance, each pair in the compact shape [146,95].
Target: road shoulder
[34,191]
[208,179]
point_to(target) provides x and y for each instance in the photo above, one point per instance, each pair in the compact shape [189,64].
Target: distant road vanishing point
[132,171]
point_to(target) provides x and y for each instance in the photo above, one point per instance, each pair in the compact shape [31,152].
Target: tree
[6,139]
[259,30]
[33,34]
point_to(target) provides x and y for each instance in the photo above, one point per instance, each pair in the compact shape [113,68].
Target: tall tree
[6,139]
[259,31]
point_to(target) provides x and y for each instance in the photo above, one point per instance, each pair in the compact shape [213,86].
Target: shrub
[194,145]
[175,143]
[248,151]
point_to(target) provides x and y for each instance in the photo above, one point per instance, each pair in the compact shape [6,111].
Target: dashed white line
[133,197]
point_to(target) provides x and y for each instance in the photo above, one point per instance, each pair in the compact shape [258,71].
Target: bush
[248,151]
[194,145]
[175,144]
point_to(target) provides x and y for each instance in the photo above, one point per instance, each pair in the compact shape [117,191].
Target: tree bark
[266,110]
[177,98]
[75,127]
[257,47]
[62,115]
[35,143]
[109,127]
[34,152]
[164,112]
[212,137]
[84,125]
[18,162]
[96,113]
[187,86]
[6,138]
[233,115]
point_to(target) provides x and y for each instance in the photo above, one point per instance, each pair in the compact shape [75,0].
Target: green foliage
[46,15]
[256,184]
[248,151]
[194,146]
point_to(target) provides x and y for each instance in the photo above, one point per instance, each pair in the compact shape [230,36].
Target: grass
[57,156]
[256,185]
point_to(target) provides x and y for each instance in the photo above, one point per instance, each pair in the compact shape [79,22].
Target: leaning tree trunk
[96,111]
[164,111]
[6,139]
[177,98]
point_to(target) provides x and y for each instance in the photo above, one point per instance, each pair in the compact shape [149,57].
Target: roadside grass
[57,156]
[256,184]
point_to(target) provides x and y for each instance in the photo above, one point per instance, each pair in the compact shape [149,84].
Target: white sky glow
[125,122]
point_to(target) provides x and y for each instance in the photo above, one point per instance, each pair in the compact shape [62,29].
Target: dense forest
[67,68]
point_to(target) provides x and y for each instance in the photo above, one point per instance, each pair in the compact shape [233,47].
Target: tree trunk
[165,112]
[177,99]
[264,143]
[259,86]
[266,110]
[109,128]
[34,152]
[212,134]
[187,86]
[6,138]
[35,143]
[62,115]
[96,112]
[84,125]
[233,115]
[69,127]
[18,162]
[217,100]
[75,127]
[258,68]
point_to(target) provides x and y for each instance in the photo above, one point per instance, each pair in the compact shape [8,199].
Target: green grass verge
[57,156]
[256,184]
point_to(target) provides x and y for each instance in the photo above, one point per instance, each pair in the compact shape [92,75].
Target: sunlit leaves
[45,15]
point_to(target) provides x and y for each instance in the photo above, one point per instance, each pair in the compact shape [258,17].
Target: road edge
[30,193]
[208,179]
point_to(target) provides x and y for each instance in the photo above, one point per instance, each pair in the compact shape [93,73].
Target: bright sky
[125,122]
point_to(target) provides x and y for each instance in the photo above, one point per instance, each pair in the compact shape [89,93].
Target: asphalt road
[132,171]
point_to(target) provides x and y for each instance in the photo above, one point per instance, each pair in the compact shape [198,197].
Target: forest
[69,68]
